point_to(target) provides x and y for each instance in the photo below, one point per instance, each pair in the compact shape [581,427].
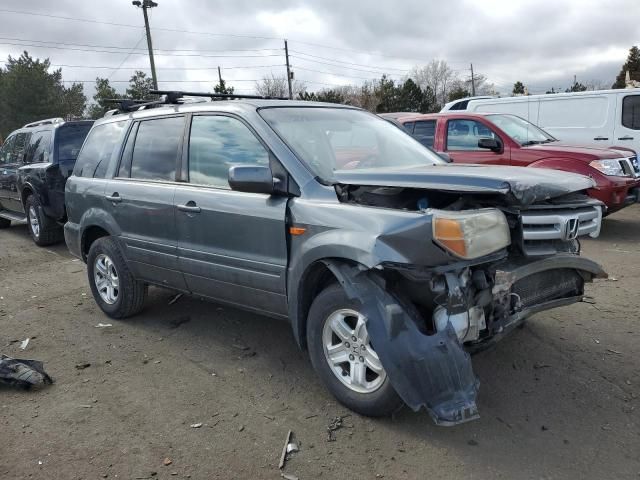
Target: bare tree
[276,86]
[438,76]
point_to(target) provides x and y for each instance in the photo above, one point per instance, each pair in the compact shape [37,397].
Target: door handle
[625,138]
[601,138]
[190,207]
[115,198]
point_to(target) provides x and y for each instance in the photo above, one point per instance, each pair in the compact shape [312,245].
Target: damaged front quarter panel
[431,371]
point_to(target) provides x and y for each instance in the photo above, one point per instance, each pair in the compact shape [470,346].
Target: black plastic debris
[21,373]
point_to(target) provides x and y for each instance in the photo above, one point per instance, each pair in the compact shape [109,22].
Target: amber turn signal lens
[297,230]
[449,234]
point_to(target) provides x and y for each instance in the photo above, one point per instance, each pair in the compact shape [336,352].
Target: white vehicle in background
[607,118]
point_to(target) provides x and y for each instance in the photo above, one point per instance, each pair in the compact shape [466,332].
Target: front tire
[43,230]
[344,358]
[114,288]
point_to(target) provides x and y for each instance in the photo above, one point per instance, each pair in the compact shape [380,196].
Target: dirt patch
[558,399]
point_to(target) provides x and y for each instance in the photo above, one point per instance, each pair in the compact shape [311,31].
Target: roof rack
[172,97]
[47,121]
[213,96]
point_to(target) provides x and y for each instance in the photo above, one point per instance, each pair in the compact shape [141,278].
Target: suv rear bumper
[73,239]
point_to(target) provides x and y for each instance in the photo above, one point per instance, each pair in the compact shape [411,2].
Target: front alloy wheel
[344,357]
[34,223]
[106,279]
[349,353]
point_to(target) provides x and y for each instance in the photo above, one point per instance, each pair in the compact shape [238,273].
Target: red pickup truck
[510,140]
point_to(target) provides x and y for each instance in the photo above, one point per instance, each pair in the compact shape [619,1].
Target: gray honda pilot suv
[390,264]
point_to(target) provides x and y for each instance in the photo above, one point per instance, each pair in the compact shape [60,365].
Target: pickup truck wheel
[344,358]
[114,288]
[44,231]
[4,223]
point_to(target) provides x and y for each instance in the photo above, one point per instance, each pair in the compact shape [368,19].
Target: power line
[209,80]
[110,67]
[126,58]
[404,70]
[142,53]
[334,74]
[380,71]
[54,42]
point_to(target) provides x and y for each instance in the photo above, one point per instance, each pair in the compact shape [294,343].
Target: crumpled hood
[523,185]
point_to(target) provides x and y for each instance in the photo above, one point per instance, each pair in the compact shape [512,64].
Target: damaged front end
[427,313]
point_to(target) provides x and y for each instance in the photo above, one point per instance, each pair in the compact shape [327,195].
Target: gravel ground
[558,399]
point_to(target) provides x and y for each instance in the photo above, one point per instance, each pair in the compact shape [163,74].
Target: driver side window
[465,134]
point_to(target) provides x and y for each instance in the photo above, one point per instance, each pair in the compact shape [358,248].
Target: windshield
[69,140]
[521,131]
[329,140]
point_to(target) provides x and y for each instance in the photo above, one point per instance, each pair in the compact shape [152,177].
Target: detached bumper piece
[431,371]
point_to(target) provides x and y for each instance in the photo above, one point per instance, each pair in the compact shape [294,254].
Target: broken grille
[547,286]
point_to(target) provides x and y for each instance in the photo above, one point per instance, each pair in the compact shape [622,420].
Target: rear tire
[114,288]
[43,230]
[349,368]
[4,223]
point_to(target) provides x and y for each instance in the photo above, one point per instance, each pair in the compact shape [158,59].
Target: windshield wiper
[531,142]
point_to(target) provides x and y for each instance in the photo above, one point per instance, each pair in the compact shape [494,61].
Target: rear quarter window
[69,139]
[631,112]
[100,146]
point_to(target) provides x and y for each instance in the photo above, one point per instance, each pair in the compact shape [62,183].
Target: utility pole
[286,54]
[145,5]
[219,75]
[473,83]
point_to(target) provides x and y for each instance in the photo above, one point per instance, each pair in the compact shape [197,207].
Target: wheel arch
[89,235]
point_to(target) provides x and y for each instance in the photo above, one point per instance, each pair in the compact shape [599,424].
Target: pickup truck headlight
[609,167]
[472,233]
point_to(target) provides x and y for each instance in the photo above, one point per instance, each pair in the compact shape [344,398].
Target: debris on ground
[175,299]
[472,442]
[167,461]
[176,322]
[22,373]
[538,366]
[334,425]
[292,447]
[288,476]
[614,351]
[24,343]
[104,325]
[196,425]
[283,457]
[82,366]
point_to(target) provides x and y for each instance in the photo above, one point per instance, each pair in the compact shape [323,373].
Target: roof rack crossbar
[130,105]
[173,96]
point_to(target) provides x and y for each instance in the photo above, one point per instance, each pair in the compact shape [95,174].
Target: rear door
[12,159]
[425,132]
[232,245]
[461,143]
[627,129]
[140,199]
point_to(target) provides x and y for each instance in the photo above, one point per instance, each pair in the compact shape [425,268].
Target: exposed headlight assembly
[609,167]
[471,233]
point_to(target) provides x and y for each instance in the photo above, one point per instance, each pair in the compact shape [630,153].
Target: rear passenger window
[216,144]
[155,151]
[425,132]
[631,112]
[20,147]
[102,142]
[38,149]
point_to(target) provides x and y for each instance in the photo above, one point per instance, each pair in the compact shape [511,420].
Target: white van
[608,118]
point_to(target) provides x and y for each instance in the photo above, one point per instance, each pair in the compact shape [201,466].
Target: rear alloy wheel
[114,288]
[345,358]
[43,230]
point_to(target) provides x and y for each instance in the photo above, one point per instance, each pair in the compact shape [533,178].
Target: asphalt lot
[560,398]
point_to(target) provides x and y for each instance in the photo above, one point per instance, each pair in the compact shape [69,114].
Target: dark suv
[35,162]
[390,264]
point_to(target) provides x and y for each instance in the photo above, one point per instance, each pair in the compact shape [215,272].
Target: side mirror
[251,179]
[490,144]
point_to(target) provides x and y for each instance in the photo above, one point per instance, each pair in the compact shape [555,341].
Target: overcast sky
[543,43]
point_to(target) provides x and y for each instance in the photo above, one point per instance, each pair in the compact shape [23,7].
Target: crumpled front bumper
[434,371]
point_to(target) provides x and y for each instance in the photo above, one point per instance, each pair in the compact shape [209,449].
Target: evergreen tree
[410,97]
[518,88]
[139,87]
[104,91]
[221,87]
[632,65]
[29,92]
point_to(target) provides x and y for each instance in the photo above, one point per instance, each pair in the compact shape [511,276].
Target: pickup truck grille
[544,232]
[630,166]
